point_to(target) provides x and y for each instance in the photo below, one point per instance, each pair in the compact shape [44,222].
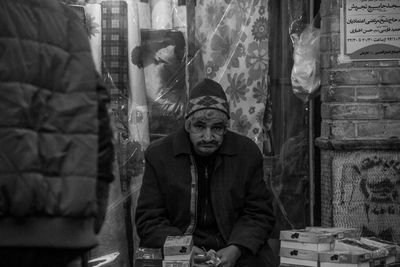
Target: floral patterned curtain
[233,40]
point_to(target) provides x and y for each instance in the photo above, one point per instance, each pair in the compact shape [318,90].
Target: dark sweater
[206,234]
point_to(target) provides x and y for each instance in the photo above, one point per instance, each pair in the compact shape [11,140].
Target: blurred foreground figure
[207,181]
[55,138]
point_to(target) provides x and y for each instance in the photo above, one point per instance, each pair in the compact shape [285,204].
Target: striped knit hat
[207,94]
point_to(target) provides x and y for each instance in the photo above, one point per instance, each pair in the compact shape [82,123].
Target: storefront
[315,84]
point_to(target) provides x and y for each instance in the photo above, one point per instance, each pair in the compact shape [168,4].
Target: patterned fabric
[115,52]
[114,31]
[233,36]
[208,102]
[207,94]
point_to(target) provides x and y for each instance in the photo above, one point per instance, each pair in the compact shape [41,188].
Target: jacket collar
[182,145]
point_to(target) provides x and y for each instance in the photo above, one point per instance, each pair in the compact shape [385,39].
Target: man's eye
[217,128]
[199,126]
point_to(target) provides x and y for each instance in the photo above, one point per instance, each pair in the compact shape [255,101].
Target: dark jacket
[242,204]
[54,129]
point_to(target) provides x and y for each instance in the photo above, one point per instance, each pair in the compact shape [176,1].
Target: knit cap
[207,94]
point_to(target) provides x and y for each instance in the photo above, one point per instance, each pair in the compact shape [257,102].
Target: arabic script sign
[370,29]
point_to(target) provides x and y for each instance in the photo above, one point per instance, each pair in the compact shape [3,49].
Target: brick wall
[360,107]
[360,100]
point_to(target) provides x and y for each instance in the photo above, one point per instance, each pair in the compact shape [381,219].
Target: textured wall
[360,123]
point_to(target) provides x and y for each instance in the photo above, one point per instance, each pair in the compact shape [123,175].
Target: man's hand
[200,256]
[229,256]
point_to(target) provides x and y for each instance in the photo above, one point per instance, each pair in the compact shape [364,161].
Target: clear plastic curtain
[287,165]
[242,44]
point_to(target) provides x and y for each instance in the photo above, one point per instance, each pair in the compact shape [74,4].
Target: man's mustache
[212,142]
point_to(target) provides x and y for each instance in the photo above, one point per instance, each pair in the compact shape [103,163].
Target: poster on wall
[370,30]
[366,188]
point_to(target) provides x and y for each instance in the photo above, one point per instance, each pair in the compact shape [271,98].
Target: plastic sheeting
[141,48]
[287,165]
[143,63]
[306,77]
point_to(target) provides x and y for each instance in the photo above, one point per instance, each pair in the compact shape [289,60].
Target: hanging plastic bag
[306,77]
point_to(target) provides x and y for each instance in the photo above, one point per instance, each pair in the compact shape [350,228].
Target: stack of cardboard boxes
[371,251]
[148,257]
[302,247]
[178,251]
[333,247]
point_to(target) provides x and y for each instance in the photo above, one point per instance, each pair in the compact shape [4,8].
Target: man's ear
[187,125]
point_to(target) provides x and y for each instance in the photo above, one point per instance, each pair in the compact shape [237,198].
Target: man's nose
[207,135]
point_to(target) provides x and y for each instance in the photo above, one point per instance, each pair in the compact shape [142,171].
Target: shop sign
[370,30]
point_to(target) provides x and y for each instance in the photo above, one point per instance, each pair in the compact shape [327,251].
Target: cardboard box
[148,257]
[307,246]
[389,246]
[382,252]
[317,234]
[176,263]
[178,245]
[182,257]
[354,245]
[304,236]
[334,264]
[344,258]
[299,254]
[373,241]
[381,262]
[298,262]
[337,232]
[315,238]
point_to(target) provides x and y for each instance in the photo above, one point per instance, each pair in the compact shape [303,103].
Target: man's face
[206,129]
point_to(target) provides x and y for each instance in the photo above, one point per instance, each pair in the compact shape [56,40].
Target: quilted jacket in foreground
[55,138]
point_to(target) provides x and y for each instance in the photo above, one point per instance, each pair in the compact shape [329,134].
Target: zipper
[193,197]
[206,196]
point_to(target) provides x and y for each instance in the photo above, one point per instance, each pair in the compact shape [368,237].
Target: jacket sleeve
[256,220]
[106,157]
[152,223]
